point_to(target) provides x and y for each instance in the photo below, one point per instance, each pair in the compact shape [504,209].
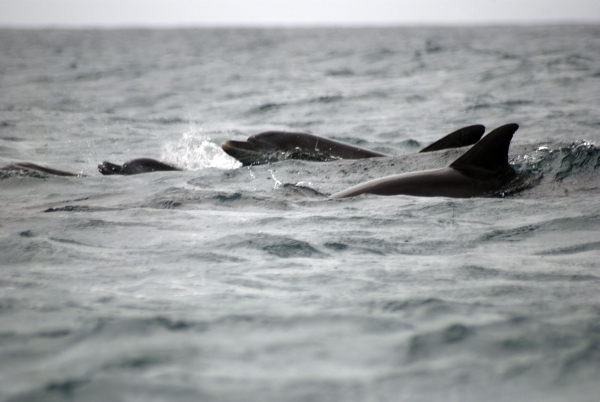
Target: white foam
[277,182]
[195,150]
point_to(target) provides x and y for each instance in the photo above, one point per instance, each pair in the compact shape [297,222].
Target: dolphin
[273,146]
[43,169]
[481,171]
[135,166]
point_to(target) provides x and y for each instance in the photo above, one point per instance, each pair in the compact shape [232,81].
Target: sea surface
[230,283]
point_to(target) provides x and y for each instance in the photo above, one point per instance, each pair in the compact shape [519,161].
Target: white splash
[304,184]
[195,150]
[277,182]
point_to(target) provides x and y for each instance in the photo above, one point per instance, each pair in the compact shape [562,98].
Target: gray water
[229,283]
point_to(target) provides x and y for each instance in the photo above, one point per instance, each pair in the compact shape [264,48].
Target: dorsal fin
[490,153]
[460,138]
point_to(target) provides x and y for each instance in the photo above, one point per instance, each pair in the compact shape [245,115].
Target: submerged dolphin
[135,166]
[482,170]
[273,146]
[38,168]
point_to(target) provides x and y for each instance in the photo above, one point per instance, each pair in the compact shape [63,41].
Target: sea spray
[194,150]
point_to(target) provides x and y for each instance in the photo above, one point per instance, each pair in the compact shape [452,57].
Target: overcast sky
[291,12]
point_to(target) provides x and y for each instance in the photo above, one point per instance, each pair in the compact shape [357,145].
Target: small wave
[195,151]
[513,234]
[339,72]
[301,190]
[266,107]
[169,120]
[66,387]
[427,344]
[570,168]
[181,198]
[432,46]
[427,307]
[580,157]
[587,355]
[70,208]
[278,246]
[579,248]
[327,99]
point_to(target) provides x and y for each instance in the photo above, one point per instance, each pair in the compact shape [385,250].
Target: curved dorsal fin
[460,138]
[490,153]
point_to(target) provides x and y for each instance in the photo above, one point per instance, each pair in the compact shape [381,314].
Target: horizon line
[274,25]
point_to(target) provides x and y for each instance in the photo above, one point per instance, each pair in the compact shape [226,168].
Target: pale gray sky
[102,13]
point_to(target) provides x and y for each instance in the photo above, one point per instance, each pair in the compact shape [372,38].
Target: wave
[558,169]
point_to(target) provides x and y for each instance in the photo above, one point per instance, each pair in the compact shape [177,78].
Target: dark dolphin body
[481,171]
[273,146]
[38,168]
[135,166]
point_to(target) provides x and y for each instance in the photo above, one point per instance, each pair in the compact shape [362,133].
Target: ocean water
[230,283]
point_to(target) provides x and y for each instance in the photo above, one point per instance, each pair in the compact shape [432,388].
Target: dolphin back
[135,166]
[481,171]
[273,146]
[32,166]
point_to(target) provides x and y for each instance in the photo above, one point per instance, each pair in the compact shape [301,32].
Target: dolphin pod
[481,171]
[267,147]
[273,146]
